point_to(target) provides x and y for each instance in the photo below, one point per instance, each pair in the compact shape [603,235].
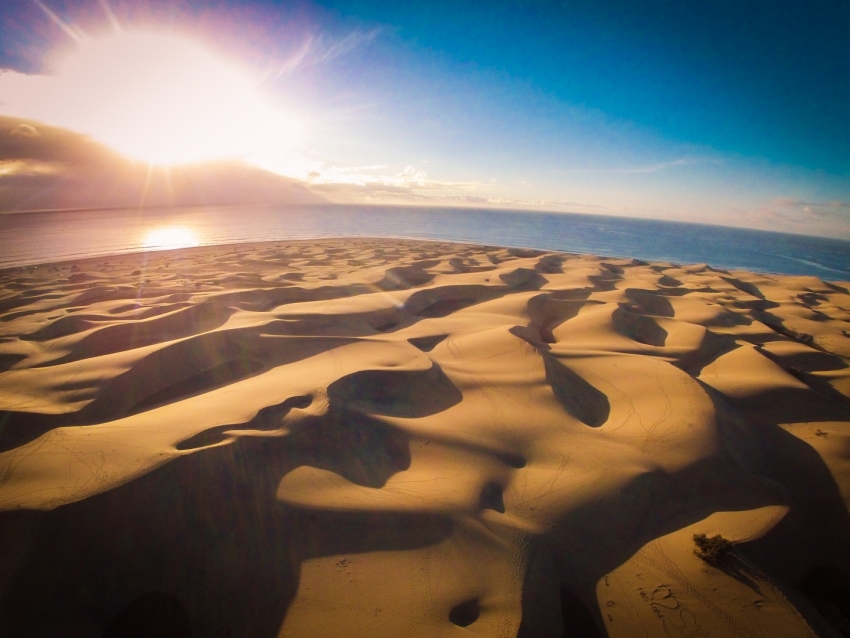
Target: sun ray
[76,37]
[113,20]
[154,97]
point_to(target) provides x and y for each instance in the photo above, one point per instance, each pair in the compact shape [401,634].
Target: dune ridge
[375,437]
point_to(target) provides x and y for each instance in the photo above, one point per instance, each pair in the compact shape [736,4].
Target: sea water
[34,238]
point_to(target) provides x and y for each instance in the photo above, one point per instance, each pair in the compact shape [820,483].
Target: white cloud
[358,169]
[650,168]
[795,215]
[414,187]
[361,179]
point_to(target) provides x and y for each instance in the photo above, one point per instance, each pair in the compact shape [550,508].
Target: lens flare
[153,97]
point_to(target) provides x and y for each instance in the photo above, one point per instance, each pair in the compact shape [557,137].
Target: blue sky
[720,112]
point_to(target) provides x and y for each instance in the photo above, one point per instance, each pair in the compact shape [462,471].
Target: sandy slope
[397,438]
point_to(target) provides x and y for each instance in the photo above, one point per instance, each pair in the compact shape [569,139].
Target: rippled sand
[369,437]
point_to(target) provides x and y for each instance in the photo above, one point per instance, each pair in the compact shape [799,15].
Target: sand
[369,437]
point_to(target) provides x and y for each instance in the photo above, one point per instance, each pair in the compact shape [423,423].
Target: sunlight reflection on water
[167,237]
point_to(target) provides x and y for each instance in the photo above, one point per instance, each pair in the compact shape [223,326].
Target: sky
[722,112]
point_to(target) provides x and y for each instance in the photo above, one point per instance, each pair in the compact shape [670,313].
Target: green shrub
[711,550]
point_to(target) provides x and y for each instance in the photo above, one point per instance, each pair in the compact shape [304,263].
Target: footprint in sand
[687,624]
[663,597]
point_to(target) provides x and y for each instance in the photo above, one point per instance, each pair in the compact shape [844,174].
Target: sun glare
[152,97]
[167,237]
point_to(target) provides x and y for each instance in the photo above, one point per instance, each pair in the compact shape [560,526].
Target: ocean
[35,238]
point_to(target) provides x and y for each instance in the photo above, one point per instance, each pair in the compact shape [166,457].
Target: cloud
[796,215]
[358,169]
[663,166]
[817,210]
[785,201]
[320,49]
[28,167]
[411,186]
[488,201]
[368,184]
[410,176]
[651,168]
[362,179]
[24,130]
[60,169]
[155,97]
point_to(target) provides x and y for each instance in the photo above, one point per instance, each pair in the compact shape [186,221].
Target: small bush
[711,550]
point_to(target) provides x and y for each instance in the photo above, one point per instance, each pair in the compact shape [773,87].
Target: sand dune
[369,437]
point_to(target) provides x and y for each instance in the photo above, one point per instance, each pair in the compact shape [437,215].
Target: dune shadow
[267,419]
[578,397]
[577,617]
[829,590]
[550,264]
[745,286]
[523,279]
[408,394]
[426,344]
[651,302]
[9,360]
[19,428]
[151,614]
[638,327]
[129,334]
[712,347]
[550,310]
[594,540]
[206,534]
[403,277]
[443,301]
[178,371]
[764,465]
[359,448]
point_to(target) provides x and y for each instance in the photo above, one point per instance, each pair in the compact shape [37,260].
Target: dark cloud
[59,169]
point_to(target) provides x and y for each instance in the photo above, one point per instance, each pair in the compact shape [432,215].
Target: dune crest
[374,437]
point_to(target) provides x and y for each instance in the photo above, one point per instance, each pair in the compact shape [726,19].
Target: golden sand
[368,437]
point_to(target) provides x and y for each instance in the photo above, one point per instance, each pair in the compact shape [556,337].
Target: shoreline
[47,237]
[380,437]
[844,283]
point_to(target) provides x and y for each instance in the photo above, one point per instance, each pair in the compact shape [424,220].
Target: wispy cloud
[356,169]
[650,168]
[321,49]
[407,181]
[796,215]
[809,209]
[413,186]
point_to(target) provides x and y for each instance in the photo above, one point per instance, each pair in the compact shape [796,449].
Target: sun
[155,97]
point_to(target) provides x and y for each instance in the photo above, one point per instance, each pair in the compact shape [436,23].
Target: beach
[381,437]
